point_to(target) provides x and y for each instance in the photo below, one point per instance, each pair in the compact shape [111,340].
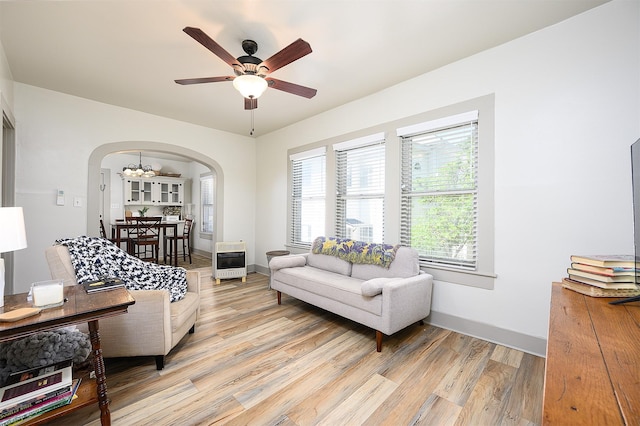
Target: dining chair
[103,234]
[185,237]
[146,237]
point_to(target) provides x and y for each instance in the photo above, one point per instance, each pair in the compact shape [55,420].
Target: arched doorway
[95,160]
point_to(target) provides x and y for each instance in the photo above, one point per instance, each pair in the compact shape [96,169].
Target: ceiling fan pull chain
[252,126]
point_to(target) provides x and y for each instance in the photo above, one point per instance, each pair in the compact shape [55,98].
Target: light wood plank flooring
[251,361]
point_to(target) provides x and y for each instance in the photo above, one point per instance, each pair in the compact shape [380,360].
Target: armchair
[153,325]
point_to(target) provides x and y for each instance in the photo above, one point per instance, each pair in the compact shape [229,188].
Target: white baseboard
[490,333]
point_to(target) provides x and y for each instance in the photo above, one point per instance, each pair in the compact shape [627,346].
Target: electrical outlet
[77,202]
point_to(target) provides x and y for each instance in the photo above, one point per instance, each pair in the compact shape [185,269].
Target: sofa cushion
[404,265]
[329,285]
[374,286]
[329,263]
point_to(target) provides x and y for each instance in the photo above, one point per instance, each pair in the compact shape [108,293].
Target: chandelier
[139,170]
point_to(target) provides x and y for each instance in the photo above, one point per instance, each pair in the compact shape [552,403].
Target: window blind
[308,183]
[439,194]
[206,203]
[360,183]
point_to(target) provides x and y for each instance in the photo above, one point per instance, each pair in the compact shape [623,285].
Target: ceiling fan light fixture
[250,86]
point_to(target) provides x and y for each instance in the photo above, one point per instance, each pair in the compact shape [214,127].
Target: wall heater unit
[231,261]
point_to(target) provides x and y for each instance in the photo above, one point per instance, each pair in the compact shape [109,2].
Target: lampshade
[250,86]
[12,234]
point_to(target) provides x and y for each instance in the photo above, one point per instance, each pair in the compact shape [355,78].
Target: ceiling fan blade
[203,80]
[292,52]
[250,103]
[292,88]
[198,35]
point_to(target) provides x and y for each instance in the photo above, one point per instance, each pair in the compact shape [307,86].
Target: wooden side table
[593,361]
[79,307]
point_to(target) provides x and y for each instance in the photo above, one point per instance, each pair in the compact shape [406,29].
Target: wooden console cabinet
[592,373]
[78,307]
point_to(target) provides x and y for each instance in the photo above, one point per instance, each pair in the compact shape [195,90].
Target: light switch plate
[60,198]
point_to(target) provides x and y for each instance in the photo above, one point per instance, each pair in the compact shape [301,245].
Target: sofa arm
[406,301]
[193,282]
[290,261]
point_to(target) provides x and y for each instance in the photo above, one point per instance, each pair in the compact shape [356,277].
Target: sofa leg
[279,298]
[159,362]
[378,341]
[421,322]
[192,329]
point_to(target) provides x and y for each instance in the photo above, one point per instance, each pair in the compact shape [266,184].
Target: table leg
[175,246]
[101,378]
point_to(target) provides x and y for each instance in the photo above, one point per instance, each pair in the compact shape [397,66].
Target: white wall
[6,78]
[57,133]
[6,96]
[567,108]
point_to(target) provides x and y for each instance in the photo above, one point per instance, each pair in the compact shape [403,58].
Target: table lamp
[12,237]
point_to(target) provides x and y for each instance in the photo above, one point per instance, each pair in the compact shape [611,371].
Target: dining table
[119,225]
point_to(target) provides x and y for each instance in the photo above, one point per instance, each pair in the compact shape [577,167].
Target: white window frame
[483,274]
[428,154]
[296,188]
[204,178]
[369,146]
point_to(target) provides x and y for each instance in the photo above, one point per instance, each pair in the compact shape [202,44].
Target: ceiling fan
[251,72]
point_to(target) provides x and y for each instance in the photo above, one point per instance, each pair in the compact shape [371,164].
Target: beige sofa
[385,299]
[152,327]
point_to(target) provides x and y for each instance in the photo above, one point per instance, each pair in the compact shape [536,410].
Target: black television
[635,183]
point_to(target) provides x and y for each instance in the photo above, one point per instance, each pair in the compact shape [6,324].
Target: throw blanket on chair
[97,257]
[356,251]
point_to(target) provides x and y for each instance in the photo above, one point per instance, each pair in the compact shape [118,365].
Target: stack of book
[603,275]
[28,394]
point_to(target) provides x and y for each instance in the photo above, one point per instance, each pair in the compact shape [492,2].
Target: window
[425,181]
[439,182]
[206,203]
[360,181]
[308,187]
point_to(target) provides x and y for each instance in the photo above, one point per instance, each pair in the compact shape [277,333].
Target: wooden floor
[251,361]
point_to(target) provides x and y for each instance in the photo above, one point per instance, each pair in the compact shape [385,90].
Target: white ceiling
[129,53]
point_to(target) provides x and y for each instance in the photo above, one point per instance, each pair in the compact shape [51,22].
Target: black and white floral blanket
[94,257]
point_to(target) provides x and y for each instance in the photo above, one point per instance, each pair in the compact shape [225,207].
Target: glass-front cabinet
[160,191]
[138,191]
[170,193]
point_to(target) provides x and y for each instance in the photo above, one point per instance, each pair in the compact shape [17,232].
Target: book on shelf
[601,284]
[20,376]
[35,387]
[602,278]
[25,405]
[611,272]
[594,291]
[606,260]
[42,407]
[102,284]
